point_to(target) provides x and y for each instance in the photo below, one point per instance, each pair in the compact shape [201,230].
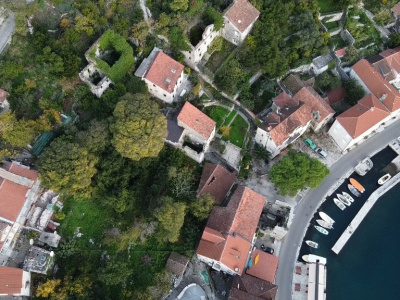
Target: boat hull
[325,217]
[339,204]
[322,230]
[312,244]
[357,185]
[305,258]
[344,199]
[384,179]
[324,224]
[348,197]
[353,190]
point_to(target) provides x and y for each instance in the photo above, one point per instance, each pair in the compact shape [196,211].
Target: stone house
[239,19]
[14,282]
[176,264]
[320,64]
[3,99]
[248,287]
[381,104]
[197,52]
[291,117]
[229,236]
[163,75]
[387,63]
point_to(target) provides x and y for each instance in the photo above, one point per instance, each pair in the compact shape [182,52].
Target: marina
[343,199]
[341,242]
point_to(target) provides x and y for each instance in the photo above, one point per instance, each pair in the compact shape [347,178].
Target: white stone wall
[198,51]
[341,137]
[26,284]
[264,139]
[232,34]
[162,94]
[216,265]
[318,71]
[316,126]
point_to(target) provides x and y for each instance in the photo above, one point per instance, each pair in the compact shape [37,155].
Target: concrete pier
[363,212]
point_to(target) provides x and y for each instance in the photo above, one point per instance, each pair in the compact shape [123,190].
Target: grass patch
[332,25]
[218,57]
[328,6]
[230,117]
[238,131]
[217,113]
[338,42]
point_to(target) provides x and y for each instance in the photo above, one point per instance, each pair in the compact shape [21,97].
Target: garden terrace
[327,6]
[112,55]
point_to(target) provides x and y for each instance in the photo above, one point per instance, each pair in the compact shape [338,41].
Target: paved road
[6,30]
[311,201]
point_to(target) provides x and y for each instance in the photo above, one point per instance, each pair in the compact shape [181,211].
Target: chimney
[372,109]
[382,98]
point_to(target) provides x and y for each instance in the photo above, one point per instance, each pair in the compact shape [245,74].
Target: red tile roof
[10,280]
[216,181]
[229,232]
[340,52]
[164,72]
[336,95]
[3,95]
[396,9]
[266,266]
[377,85]
[294,112]
[368,112]
[196,120]
[247,287]
[20,170]
[177,263]
[242,14]
[12,199]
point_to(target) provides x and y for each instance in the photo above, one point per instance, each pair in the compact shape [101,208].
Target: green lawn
[338,42]
[332,25]
[238,131]
[230,117]
[218,57]
[217,113]
[328,6]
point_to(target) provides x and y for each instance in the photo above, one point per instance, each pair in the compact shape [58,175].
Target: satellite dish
[31,242]
[51,253]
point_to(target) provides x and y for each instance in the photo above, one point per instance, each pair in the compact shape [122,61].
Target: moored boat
[384,178]
[357,185]
[326,218]
[339,204]
[344,199]
[305,258]
[322,230]
[353,190]
[325,224]
[350,198]
[312,244]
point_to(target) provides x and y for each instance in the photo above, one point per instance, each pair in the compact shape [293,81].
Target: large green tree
[66,167]
[202,207]
[297,171]
[138,127]
[171,216]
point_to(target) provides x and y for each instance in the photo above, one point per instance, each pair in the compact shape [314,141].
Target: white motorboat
[312,244]
[339,204]
[305,258]
[344,199]
[350,198]
[322,230]
[384,178]
[326,218]
[325,224]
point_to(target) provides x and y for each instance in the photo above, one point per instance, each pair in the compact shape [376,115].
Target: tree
[225,130]
[327,81]
[115,273]
[171,216]
[212,16]
[138,127]
[178,40]
[96,138]
[176,5]
[48,289]
[354,91]
[125,239]
[182,181]
[297,171]
[260,152]
[394,40]
[140,31]
[67,168]
[202,207]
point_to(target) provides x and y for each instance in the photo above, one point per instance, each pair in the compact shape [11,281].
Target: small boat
[326,218]
[357,185]
[325,224]
[348,197]
[384,178]
[312,244]
[322,230]
[339,204]
[364,166]
[343,199]
[353,190]
[305,258]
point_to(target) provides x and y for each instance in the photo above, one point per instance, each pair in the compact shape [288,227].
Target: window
[165,95]
[154,85]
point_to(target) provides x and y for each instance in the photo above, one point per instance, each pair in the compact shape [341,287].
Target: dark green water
[368,267]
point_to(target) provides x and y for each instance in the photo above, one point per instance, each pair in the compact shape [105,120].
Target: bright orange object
[256,259]
[357,185]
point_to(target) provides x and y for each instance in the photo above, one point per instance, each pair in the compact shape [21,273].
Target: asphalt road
[312,200]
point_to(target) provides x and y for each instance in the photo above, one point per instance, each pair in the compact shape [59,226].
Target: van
[321,152]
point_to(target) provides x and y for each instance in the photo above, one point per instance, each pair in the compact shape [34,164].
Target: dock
[363,212]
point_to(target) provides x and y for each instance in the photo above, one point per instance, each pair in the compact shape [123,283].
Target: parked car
[321,152]
[310,144]
[267,249]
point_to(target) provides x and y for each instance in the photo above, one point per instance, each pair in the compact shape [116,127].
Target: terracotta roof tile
[247,287]
[164,72]
[377,85]
[10,280]
[340,52]
[20,170]
[3,95]
[365,114]
[12,199]
[196,120]
[295,112]
[177,263]
[396,9]
[216,181]
[242,14]
[236,223]
[336,94]
[266,266]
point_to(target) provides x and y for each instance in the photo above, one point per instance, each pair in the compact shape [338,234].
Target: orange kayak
[357,185]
